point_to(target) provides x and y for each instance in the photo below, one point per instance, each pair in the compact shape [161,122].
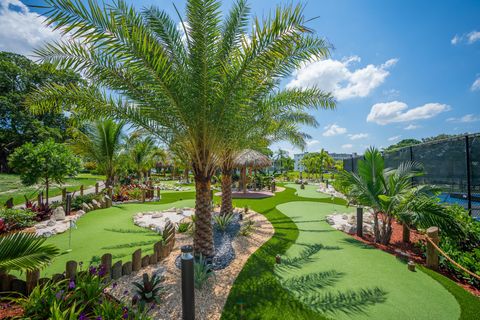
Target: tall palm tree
[25,251]
[141,153]
[196,83]
[391,194]
[101,141]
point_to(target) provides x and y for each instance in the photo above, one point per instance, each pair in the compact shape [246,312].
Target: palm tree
[101,141]
[24,251]
[191,86]
[391,194]
[141,152]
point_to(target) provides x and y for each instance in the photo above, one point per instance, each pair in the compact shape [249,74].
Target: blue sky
[400,69]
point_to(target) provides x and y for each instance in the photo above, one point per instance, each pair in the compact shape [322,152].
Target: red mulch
[410,251]
[9,310]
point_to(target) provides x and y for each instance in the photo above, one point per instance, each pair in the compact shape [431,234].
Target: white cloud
[412,127]
[347,146]
[22,30]
[312,142]
[465,119]
[338,77]
[394,138]
[469,38]
[396,111]
[333,130]
[475,85]
[473,36]
[455,39]
[358,136]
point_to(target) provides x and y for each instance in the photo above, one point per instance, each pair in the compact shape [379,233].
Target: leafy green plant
[78,200]
[57,312]
[183,227]
[16,219]
[202,272]
[135,193]
[25,251]
[247,228]
[149,289]
[223,221]
[38,304]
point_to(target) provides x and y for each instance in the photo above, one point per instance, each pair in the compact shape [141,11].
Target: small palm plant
[25,251]
[202,272]
[223,221]
[149,289]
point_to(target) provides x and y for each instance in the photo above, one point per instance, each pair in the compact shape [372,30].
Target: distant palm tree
[101,141]
[142,154]
[192,86]
[24,251]
[391,194]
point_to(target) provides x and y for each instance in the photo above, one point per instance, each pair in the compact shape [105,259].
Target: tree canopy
[18,77]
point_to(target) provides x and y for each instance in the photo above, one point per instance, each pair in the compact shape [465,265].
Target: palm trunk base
[203,237]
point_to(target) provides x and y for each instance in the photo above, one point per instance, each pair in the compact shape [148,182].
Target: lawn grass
[111,231]
[11,187]
[310,191]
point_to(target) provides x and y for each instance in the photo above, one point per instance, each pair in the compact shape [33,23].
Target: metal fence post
[469,177]
[188,288]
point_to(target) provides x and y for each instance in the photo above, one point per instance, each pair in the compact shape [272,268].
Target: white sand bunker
[156,220]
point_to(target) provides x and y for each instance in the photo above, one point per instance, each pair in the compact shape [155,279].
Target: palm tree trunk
[203,238]
[376,229]
[226,190]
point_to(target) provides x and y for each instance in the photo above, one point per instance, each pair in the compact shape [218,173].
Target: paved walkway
[345,279]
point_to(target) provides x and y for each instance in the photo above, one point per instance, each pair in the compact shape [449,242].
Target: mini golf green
[110,231]
[342,278]
[310,191]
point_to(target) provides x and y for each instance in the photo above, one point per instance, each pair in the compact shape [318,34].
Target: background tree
[101,142]
[141,152]
[18,77]
[192,87]
[45,163]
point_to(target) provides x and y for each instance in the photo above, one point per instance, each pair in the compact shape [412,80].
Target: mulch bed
[411,251]
[9,310]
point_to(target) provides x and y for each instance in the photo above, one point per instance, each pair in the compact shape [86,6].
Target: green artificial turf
[469,303]
[111,231]
[341,277]
[310,191]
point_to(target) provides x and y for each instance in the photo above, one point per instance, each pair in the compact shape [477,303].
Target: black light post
[68,203]
[188,289]
[360,221]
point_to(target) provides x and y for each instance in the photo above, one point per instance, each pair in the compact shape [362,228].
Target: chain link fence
[452,165]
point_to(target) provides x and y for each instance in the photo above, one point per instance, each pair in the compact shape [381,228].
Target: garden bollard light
[68,203]
[411,265]
[188,289]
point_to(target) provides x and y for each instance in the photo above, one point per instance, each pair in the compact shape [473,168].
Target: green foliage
[19,76]
[247,228]
[16,219]
[25,251]
[463,248]
[184,227]
[223,221]
[135,193]
[402,144]
[44,163]
[317,162]
[101,142]
[202,272]
[78,200]
[149,289]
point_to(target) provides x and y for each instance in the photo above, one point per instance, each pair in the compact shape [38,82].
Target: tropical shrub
[78,200]
[184,227]
[247,228]
[202,272]
[14,219]
[148,290]
[463,249]
[223,221]
[135,193]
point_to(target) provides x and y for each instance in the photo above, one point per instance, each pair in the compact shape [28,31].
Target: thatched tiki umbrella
[250,159]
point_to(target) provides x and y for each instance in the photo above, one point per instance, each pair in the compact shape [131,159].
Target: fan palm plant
[391,194]
[191,86]
[141,153]
[24,251]
[101,141]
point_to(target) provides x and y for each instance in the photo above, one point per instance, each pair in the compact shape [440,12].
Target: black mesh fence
[452,165]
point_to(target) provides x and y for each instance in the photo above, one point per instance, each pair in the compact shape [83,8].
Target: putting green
[310,191]
[342,278]
[108,231]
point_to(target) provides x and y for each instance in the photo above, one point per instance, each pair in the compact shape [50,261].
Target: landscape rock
[85,207]
[51,223]
[59,213]
[157,215]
